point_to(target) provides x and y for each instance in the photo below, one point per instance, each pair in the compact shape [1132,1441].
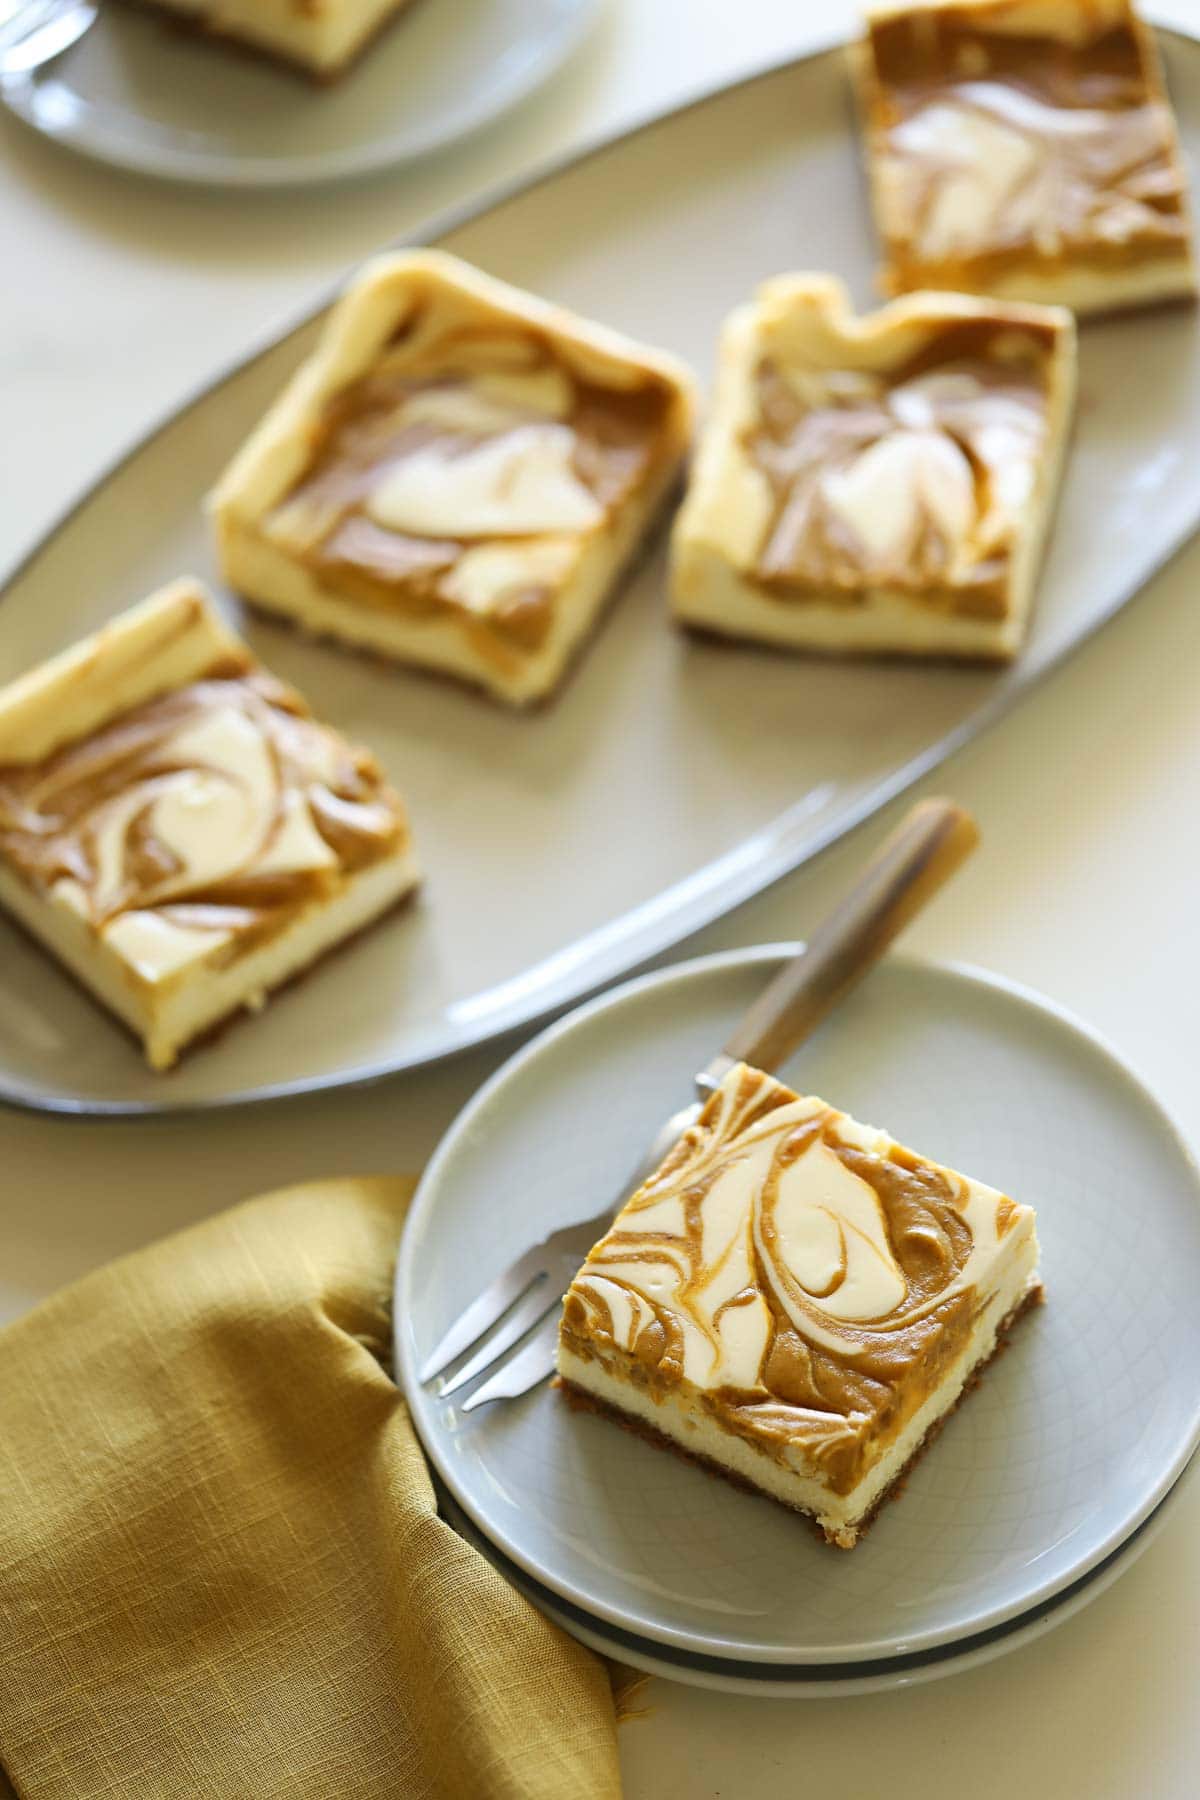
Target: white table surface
[120,296]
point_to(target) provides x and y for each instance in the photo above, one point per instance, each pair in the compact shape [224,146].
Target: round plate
[1072,1440]
[139,93]
[783,1682]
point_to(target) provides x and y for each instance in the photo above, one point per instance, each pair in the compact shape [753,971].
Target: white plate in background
[141,93]
[1074,1436]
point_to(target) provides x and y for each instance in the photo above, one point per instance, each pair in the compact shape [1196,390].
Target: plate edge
[406,1375]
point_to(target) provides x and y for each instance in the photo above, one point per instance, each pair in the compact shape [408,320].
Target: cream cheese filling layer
[519,482]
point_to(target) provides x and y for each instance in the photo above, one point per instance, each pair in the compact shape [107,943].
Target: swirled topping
[459,479]
[916,479]
[994,145]
[808,1277]
[199,823]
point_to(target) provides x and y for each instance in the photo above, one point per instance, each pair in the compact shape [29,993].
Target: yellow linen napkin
[221,1569]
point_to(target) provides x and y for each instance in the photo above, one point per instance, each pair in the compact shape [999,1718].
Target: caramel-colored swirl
[808,1277]
[995,147]
[458,481]
[200,822]
[916,480]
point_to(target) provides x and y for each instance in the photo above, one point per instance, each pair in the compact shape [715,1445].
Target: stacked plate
[1044,1487]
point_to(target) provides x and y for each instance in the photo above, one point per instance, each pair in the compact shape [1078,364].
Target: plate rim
[681,973]
[783,1682]
[209,169]
[718,896]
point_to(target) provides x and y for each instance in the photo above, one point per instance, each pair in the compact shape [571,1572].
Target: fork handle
[920,856]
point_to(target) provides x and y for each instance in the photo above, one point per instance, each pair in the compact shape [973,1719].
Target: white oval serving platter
[671,778]
[139,93]
[1072,1439]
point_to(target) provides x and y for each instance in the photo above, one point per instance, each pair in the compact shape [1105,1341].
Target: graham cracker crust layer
[583,1401]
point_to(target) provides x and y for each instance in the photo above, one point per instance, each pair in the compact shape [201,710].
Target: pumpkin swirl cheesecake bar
[179,830]
[457,477]
[1024,148]
[796,1300]
[880,483]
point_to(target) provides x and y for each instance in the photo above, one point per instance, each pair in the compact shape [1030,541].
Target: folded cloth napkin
[221,1568]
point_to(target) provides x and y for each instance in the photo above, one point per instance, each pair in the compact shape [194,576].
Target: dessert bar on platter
[457,477]
[1024,148]
[179,830]
[876,483]
[796,1300]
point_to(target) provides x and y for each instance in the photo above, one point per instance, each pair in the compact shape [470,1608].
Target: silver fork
[923,852]
[33,32]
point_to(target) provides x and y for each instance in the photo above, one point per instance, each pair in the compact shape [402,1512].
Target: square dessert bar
[320,37]
[1025,148]
[876,484]
[456,477]
[176,827]
[796,1300]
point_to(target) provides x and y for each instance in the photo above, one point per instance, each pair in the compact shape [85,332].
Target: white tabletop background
[119,297]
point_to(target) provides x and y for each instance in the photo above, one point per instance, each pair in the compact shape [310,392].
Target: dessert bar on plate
[796,1300]
[457,476]
[1024,148]
[321,37]
[178,829]
[880,483]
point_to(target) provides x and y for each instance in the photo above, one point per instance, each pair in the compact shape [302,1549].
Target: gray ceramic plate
[555,865]
[1072,1440]
[767,1681]
[140,94]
